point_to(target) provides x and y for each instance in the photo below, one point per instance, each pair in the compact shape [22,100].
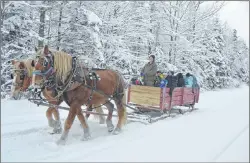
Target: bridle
[23,73]
[47,73]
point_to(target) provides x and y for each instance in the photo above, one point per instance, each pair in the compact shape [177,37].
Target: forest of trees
[185,36]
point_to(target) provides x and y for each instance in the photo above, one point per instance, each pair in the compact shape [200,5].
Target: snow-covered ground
[218,131]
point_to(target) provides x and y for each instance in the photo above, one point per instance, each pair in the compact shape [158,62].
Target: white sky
[236,14]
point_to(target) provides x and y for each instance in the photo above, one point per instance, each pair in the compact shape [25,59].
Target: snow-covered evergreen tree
[185,36]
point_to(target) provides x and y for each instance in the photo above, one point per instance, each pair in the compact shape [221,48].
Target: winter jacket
[195,83]
[189,82]
[133,80]
[171,81]
[148,72]
[181,82]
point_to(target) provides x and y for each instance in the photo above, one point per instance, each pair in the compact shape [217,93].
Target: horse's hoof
[110,126]
[61,142]
[86,137]
[51,123]
[111,130]
[102,121]
[62,139]
[116,131]
[57,130]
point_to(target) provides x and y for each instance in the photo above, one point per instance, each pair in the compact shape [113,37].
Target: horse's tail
[124,98]
[124,102]
[122,89]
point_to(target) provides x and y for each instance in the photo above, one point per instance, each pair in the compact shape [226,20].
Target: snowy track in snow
[218,131]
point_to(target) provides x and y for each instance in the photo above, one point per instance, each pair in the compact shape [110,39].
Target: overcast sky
[236,13]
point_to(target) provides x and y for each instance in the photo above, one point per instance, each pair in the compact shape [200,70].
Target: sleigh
[160,103]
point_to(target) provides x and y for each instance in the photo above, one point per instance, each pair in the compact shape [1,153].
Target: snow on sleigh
[158,103]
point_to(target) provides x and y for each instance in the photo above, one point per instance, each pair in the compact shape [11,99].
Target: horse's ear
[21,66]
[46,50]
[33,63]
[36,49]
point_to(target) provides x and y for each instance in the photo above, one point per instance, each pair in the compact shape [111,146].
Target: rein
[44,74]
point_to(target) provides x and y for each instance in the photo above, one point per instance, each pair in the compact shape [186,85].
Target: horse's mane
[62,63]
[28,66]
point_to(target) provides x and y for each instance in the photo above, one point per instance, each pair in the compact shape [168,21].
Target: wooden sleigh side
[158,99]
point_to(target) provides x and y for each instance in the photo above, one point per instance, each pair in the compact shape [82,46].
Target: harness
[89,76]
[88,79]
[93,78]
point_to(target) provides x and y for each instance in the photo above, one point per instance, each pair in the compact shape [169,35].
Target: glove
[163,83]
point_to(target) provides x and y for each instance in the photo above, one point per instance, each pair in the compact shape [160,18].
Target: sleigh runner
[149,104]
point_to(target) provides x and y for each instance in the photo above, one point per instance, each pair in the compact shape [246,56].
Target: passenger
[148,72]
[171,81]
[133,80]
[180,79]
[195,82]
[159,77]
[189,80]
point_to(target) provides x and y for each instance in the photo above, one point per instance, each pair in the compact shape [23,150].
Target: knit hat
[153,56]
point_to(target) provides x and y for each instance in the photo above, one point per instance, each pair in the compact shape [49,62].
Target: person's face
[151,59]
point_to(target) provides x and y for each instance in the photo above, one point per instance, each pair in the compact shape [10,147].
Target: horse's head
[43,67]
[21,76]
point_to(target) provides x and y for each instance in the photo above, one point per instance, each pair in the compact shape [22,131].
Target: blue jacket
[195,83]
[189,82]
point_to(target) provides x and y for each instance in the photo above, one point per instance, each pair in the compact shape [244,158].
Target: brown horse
[77,88]
[22,77]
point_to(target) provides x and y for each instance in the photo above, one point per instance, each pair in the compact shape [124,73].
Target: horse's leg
[67,125]
[89,108]
[85,126]
[51,121]
[57,125]
[101,117]
[109,123]
[121,114]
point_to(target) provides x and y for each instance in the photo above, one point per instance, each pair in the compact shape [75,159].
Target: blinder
[45,62]
[22,75]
